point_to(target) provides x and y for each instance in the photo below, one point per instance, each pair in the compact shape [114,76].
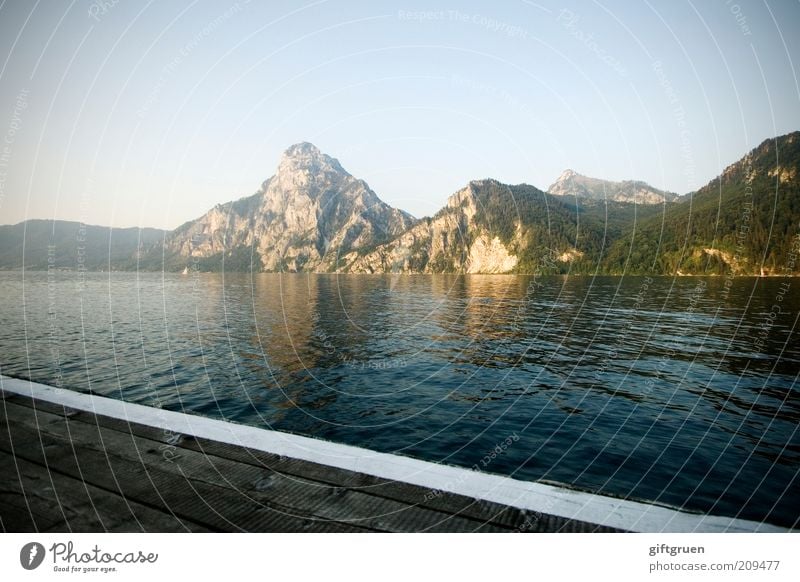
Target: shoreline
[335,274]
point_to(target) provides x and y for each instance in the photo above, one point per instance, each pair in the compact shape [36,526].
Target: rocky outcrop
[489,256]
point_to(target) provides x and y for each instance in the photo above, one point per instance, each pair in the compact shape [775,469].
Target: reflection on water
[679,391]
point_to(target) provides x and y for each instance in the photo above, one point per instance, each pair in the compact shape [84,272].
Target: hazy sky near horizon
[128,113]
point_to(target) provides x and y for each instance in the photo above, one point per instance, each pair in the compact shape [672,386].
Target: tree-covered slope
[743,221]
[43,244]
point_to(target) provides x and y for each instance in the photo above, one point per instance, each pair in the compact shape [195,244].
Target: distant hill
[36,244]
[575,185]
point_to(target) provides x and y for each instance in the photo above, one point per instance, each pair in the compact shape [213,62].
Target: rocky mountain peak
[301,148]
[304,218]
[304,164]
[462,196]
[466,196]
[571,183]
[567,175]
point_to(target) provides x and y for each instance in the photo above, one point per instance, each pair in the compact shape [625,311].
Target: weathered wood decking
[70,470]
[78,462]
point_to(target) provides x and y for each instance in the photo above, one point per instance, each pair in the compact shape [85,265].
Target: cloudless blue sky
[134,113]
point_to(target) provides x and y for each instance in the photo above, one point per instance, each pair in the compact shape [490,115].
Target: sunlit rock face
[304,218]
[451,241]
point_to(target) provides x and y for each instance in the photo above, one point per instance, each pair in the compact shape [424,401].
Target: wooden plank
[281,483]
[212,506]
[17,514]
[31,514]
[76,506]
[15,518]
[497,515]
[249,481]
[501,516]
[482,511]
[43,405]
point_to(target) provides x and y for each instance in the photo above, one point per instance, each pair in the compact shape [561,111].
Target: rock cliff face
[571,183]
[486,227]
[439,244]
[304,218]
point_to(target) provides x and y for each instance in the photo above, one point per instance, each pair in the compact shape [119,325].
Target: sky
[133,113]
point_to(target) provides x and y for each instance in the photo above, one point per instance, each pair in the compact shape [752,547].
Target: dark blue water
[683,391]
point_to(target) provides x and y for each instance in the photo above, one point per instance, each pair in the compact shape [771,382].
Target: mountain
[745,222]
[572,184]
[61,244]
[304,218]
[312,215]
[489,227]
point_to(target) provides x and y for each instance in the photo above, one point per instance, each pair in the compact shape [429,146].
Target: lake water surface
[682,391]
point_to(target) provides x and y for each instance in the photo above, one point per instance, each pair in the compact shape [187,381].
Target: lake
[679,391]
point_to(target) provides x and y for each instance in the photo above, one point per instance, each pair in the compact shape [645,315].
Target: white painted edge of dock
[537,497]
